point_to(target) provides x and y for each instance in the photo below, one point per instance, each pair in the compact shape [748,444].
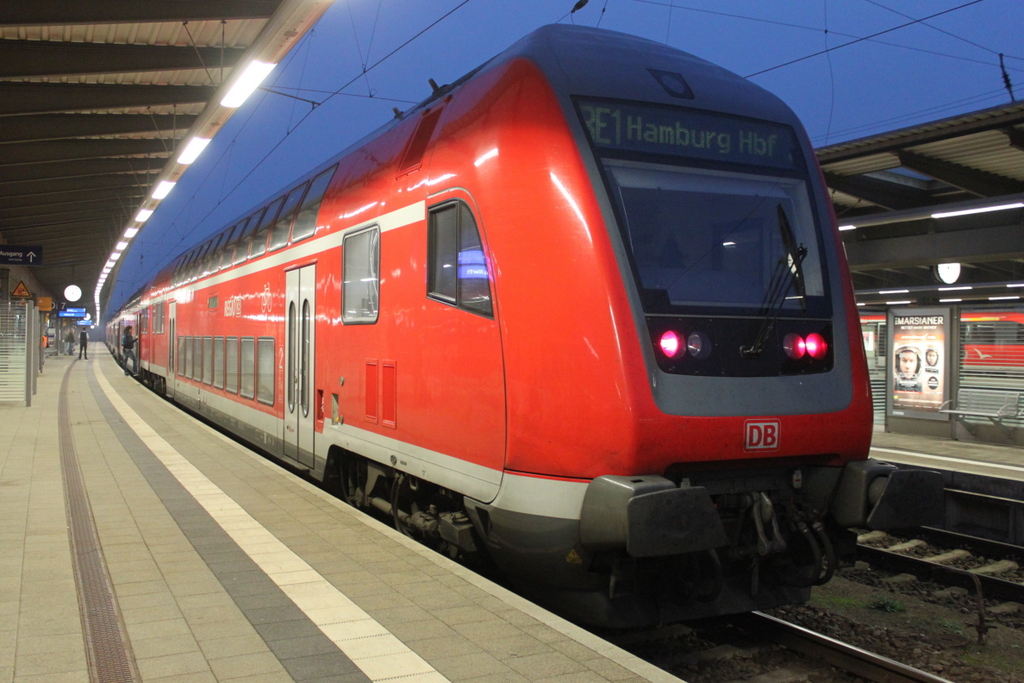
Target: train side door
[299,352]
[172,346]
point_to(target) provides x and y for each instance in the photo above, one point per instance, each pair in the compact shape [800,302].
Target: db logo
[762,435]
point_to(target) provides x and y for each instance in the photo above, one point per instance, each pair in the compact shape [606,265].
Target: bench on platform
[993,404]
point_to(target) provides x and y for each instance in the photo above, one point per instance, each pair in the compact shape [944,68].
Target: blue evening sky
[944,66]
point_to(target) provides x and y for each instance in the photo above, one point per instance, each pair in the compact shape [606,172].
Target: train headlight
[699,345]
[794,346]
[670,344]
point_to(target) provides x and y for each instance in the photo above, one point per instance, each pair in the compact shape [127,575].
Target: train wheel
[345,478]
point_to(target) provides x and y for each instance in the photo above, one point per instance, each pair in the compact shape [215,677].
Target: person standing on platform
[128,351]
[83,344]
[70,341]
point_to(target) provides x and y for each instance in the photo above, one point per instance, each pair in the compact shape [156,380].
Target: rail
[837,653]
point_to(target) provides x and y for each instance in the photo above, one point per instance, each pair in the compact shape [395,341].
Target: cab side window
[457,272]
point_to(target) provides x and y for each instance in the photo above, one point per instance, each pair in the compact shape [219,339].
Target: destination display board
[677,132]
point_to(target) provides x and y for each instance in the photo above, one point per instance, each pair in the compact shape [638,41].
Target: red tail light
[670,344]
[816,346]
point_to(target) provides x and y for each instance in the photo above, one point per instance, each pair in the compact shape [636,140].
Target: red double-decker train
[585,310]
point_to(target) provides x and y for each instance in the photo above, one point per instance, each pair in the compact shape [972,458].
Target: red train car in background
[584,309]
[993,339]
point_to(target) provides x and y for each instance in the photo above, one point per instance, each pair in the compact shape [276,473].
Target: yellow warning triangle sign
[21,290]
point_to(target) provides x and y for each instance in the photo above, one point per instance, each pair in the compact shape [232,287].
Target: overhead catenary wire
[940,30]
[259,164]
[860,40]
[816,29]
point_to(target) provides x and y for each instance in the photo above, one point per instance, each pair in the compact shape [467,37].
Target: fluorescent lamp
[861,304]
[984,209]
[143,215]
[192,150]
[949,301]
[130,233]
[894,291]
[114,256]
[844,228]
[955,289]
[121,246]
[246,83]
[1016,284]
[1003,298]
[897,303]
[110,263]
[162,189]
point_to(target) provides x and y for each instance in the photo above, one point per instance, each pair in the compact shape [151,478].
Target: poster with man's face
[918,339]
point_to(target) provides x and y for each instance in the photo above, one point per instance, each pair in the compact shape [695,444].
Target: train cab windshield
[710,207]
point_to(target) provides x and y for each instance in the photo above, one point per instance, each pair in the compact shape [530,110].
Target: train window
[248,386]
[186,367]
[725,255]
[265,371]
[218,362]
[207,360]
[182,272]
[159,315]
[196,269]
[305,221]
[418,142]
[259,240]
[457,272]
[245,237]
[231,365]
[360,289]
[227,252]
[182,342]
[279,233]
[144,320]
[290,353]
[217,258]
[207,266]
[197,359]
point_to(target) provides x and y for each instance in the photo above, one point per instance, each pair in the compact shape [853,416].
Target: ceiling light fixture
[254,74]
[983,209]
[192,150]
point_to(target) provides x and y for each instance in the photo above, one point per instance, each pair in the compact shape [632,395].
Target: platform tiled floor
[226,567]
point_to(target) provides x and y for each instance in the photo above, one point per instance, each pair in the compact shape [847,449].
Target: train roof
[583,61]
[589,62]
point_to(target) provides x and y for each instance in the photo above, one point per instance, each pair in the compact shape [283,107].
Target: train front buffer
[756,533]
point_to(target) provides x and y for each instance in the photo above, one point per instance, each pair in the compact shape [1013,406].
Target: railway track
[838,654]
[760,647]
[947,558]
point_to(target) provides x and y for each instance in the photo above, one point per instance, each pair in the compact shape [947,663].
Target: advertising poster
[919,362]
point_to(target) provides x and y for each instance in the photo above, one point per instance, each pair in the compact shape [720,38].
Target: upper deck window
[279,233]
[305,221]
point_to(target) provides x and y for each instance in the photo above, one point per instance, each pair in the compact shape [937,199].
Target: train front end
[747,419]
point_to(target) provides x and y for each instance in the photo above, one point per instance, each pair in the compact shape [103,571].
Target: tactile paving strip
[106,642]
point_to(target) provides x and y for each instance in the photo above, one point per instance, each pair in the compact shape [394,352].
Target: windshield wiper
[788,272]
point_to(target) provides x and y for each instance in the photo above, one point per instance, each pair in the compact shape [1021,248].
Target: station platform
[140,545]
[968,457]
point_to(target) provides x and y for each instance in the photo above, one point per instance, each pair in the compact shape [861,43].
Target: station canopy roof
[96,98]
[888,189]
